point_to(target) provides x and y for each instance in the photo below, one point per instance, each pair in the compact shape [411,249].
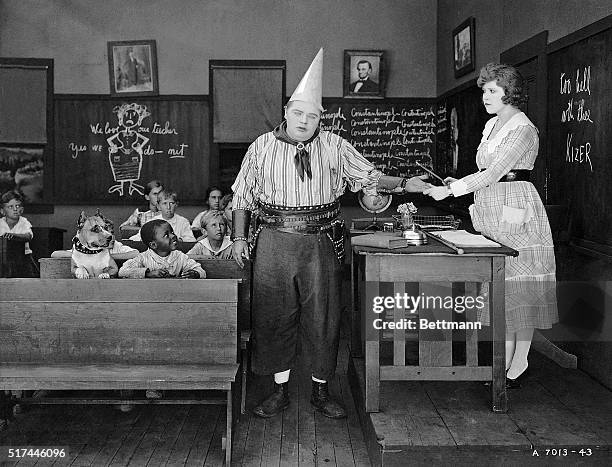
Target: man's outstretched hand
[414,185]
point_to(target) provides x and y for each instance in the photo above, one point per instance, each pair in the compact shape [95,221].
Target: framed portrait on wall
[364,74]
[132,67]
[464,47]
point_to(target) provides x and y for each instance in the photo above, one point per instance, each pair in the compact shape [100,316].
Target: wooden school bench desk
[69,334]
[427,270]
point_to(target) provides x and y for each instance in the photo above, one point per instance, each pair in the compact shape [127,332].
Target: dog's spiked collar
[78,246]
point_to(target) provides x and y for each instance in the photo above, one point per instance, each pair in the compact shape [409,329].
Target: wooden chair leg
[228,439]
[245,370]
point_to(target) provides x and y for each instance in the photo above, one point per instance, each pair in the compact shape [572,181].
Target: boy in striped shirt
[162,259]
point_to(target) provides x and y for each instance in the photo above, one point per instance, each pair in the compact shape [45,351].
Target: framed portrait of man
[364,74]
[132,67]
[463,47]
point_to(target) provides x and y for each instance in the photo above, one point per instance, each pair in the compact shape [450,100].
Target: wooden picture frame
[27,138]
[132,68]
[464,46]
[364,74]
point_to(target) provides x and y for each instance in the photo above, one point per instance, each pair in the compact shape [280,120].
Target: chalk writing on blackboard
[576,110]
[127,144]
[392,137]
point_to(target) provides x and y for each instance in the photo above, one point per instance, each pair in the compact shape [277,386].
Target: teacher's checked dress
[512,213]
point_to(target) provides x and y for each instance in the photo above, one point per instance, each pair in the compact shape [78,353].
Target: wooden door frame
[48,147]
[236,64]
[535,47]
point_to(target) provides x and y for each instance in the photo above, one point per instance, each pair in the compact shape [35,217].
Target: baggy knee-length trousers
[296,290]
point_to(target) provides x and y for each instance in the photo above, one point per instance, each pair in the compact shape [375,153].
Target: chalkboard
[461,118]
[108,149]
[393,135]
[579,134]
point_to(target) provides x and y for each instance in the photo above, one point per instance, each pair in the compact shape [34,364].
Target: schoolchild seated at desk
[161,260]
[15,227]
[212,203]
[144,214]
[216,243]
[167,203]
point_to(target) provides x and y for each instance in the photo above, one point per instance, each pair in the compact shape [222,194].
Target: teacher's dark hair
[508,78]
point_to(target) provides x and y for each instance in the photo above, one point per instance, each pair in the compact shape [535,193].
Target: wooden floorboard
[556,407]
[240,437]
[186,438]
[203,439]
[254,443]
[360,453]
[216,454]
[117,437]
[145,448]
[307,442]
[290,434]
[324,435]
[162,451]
[338,429]
[133,438]
[272,441]
[427,422]
[79,433]
[100,430]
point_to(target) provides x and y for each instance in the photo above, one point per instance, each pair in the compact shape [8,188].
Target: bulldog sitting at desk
[91,248]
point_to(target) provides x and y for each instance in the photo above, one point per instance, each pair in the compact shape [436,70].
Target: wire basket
[436,222]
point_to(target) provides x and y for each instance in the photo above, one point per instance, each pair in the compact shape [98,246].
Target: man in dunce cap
[294,177]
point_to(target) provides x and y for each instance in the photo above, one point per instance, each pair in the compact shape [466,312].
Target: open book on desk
[464,239]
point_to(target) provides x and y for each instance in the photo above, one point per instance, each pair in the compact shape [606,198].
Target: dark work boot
[275,402]
[325,404]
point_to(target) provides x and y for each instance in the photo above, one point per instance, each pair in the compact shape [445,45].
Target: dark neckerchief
[302,157]
[78,246]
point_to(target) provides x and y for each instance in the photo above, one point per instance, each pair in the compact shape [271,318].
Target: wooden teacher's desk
[428,271]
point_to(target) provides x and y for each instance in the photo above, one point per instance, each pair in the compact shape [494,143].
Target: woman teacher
[508,209]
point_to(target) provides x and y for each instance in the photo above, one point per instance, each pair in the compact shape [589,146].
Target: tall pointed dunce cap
[310,88]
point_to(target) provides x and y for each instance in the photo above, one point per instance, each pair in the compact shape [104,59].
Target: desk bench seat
[32,376]
[172,334]
[59,268]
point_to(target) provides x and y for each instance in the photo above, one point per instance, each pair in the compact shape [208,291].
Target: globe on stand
[374,204]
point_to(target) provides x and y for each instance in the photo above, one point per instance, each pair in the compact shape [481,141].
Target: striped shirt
[175,263]
[268,173]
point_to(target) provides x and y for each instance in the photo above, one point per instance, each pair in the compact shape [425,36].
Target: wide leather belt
[519,175]
[322,219]
[302,219]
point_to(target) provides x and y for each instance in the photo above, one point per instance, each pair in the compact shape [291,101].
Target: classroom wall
[190,32]
[501,24]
